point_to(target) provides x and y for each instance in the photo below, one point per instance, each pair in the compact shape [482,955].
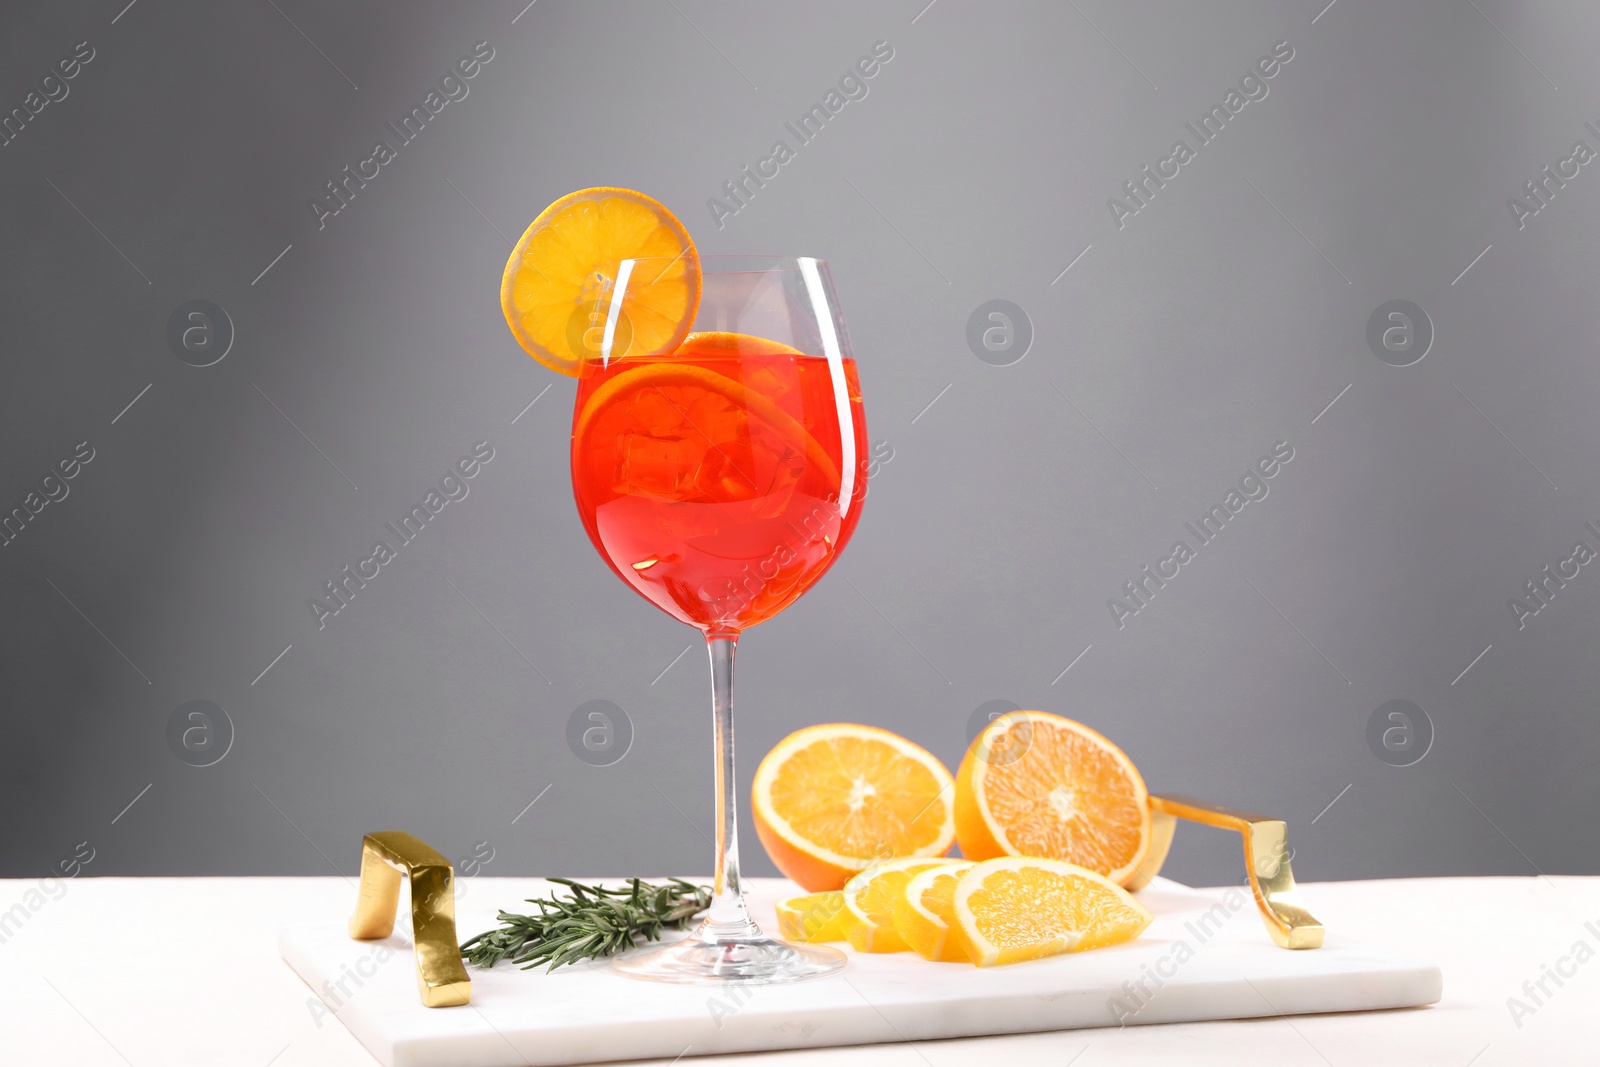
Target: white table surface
[177,971]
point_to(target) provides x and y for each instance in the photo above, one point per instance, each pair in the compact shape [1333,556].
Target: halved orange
[869,902]
[1036,784]
[812,917]
[557,288]
[922,914]
[835,799]
[1023,908]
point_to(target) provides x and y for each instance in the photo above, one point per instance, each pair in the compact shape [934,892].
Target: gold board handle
[441,978]
[1266,861]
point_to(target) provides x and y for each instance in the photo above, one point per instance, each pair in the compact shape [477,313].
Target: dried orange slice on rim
[1022,908]
[558,283]
[1036,784]
[835,799]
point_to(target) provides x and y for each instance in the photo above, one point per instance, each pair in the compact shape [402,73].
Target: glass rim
[779,263]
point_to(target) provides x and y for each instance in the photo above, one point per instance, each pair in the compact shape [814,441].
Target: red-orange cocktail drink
[714,481]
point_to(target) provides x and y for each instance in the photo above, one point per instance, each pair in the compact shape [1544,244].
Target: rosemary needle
[592,921]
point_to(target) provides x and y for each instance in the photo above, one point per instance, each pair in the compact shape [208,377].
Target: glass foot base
[753,960]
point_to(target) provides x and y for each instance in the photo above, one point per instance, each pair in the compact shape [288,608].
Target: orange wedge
[1021,908]
[557,288]
[835,799]
[1036,784]
[923,912]
[869,900]
[813,917]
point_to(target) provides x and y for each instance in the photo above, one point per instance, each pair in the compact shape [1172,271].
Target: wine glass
[720,480]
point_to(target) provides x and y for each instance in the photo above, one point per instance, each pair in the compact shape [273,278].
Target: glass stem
[727,919]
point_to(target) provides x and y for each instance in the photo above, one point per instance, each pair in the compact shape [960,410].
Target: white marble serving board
[1185,968]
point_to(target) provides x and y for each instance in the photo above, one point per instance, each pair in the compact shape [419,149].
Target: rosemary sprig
[593,921]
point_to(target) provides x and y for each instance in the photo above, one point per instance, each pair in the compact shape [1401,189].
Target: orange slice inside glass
[833,800]
[1036,784]
[1022,908]
[726,343]
[558,284]
[749,412]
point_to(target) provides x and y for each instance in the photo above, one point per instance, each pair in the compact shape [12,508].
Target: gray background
[1224,317]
